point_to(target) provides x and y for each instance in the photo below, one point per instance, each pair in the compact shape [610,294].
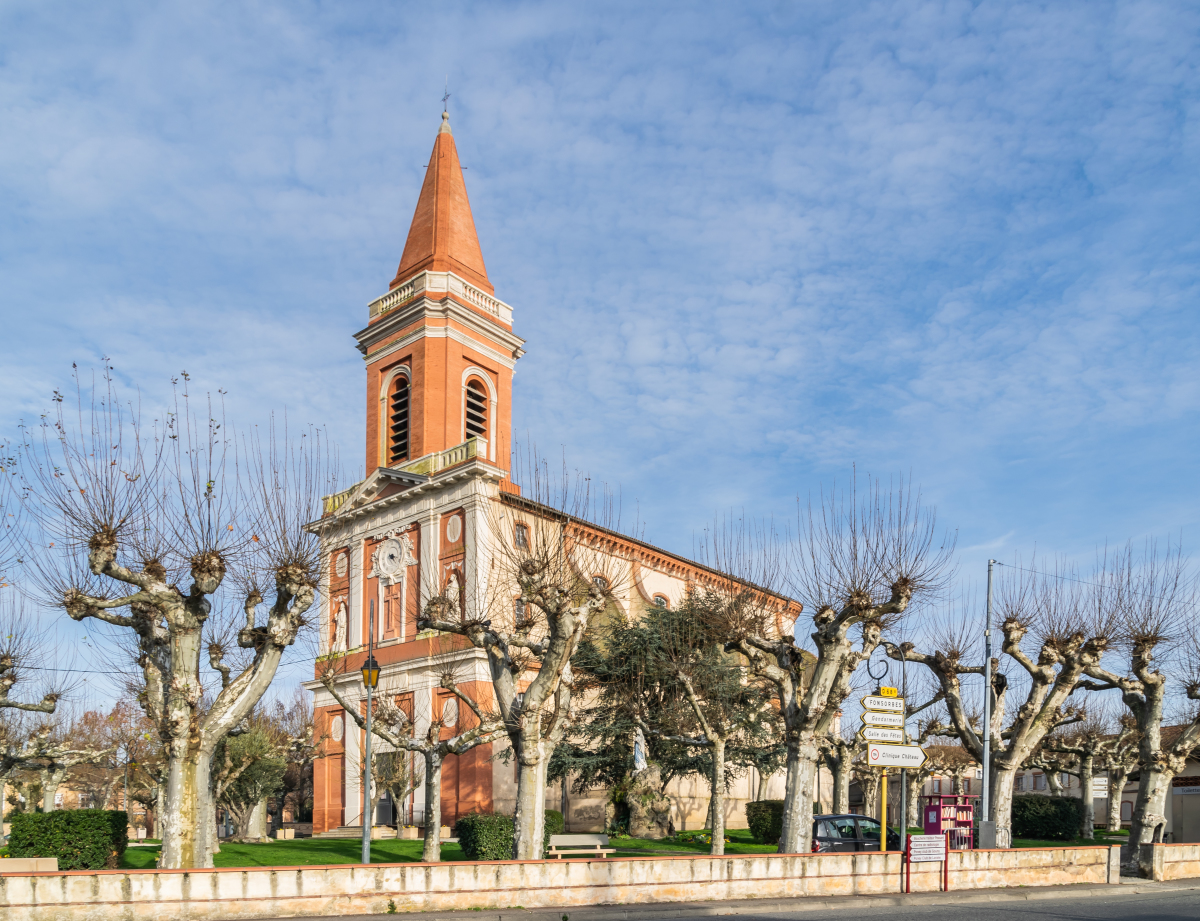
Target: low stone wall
[132,895]
[1176,861]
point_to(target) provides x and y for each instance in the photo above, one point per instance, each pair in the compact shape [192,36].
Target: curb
[761,906]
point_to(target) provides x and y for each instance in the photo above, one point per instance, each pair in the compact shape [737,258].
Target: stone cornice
[447,308]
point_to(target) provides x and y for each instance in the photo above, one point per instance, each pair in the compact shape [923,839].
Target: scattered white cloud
[748,245]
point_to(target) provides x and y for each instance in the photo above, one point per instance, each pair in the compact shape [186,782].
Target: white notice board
[925,848]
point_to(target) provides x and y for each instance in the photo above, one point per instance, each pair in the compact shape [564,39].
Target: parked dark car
[849,833]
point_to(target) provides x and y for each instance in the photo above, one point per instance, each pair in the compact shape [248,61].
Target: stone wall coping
[490,863]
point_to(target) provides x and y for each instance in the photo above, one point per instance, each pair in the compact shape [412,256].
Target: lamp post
[370,676]
[987,827]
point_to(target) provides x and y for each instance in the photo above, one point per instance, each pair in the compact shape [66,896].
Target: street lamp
[370,673]
[370,676]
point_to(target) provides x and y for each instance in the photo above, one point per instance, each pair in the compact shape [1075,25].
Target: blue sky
[749,245]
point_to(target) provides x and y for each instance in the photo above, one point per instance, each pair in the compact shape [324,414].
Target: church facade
[439,352]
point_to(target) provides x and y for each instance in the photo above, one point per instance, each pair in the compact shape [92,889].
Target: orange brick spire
[442,237]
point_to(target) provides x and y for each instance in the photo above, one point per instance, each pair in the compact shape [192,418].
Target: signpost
[875,734]
[904,756]
[928,849]
[884,717]
[891,720]
[884,704]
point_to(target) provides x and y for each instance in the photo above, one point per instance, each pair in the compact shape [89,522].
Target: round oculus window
[336,729]
[454,529]
[391,557]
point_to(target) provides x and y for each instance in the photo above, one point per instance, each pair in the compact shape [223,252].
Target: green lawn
[301,852]
[309,851]
[740,842]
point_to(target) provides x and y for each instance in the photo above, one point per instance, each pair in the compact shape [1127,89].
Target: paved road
[1141,901]
[1158,906]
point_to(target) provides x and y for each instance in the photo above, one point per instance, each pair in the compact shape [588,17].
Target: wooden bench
[579,846]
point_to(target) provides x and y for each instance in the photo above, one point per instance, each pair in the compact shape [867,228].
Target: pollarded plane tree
[942,758]
[1159,643]
[839,752]
[1083,751]
[542,592]
[424,734]
[22,663]
[1055,626]
[157,529]
[863,559]
[22,640]
[1119,761]
[56,746]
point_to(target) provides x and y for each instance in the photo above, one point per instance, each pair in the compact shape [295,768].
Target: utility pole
[904,771]
[987,826]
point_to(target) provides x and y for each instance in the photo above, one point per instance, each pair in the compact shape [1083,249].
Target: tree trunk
[160,808]
[432,851]
[869,783]
[718,797]
[1116,787]
[797,807]
[1054,782]
[529,823]
[186,825]
[912,806]
[841,786]
[1002,794]
[1149,815]
[763,780]
[51,780]
[1087,824]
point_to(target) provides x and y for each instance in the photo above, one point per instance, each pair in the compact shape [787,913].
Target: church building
[439,352]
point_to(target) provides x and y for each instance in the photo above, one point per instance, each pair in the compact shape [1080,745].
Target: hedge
[81,839]
[488,836]
[765,819]
[1046,818]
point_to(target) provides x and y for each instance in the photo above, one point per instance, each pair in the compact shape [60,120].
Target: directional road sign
[884,704]
[925,848]
[874,734]
[891,720]
[907,756]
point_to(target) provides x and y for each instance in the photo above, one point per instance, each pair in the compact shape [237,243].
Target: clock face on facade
[391,557]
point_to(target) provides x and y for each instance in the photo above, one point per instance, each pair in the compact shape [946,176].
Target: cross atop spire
[442,237]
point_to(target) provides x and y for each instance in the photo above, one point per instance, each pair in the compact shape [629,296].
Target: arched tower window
[477,408]
[398,410]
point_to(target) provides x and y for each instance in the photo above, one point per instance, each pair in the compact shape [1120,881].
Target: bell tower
[439,346]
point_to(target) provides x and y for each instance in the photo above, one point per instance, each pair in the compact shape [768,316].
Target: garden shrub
[765,819]
[488,836]
[1046,818]
[81,839]
[555,824]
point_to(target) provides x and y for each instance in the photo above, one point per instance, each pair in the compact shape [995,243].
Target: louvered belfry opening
[476,410]
[398,423]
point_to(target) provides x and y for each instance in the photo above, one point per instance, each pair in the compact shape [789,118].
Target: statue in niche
[339,628]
